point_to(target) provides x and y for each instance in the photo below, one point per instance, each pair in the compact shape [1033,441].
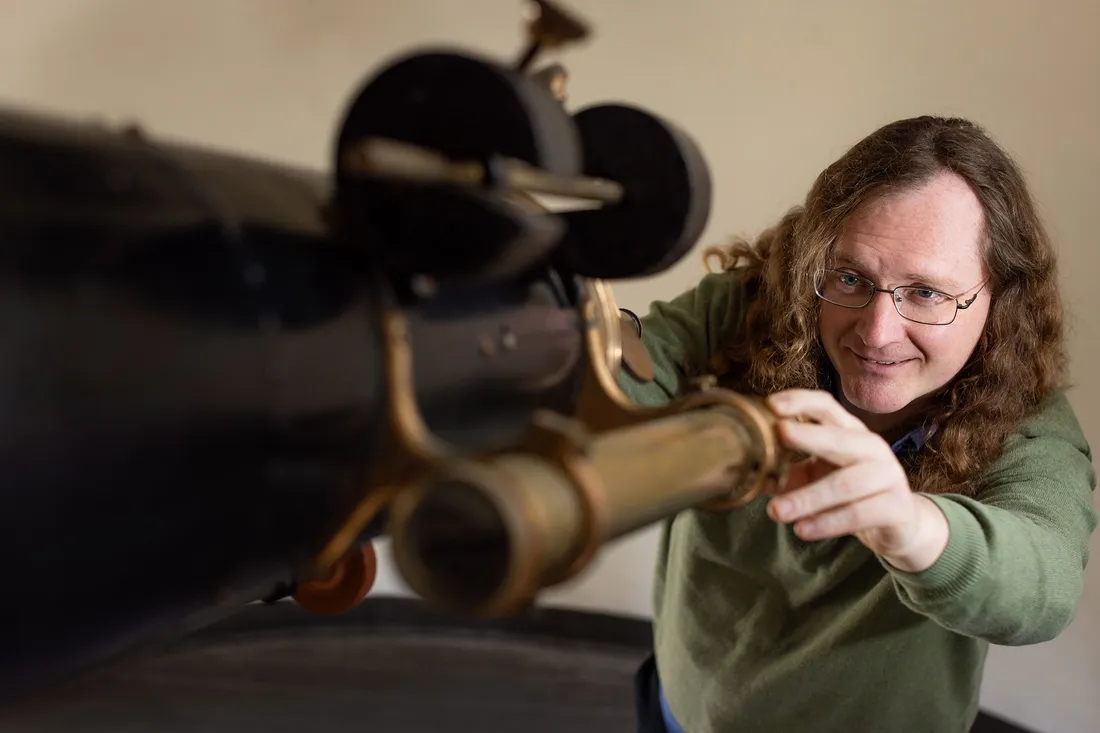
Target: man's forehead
[931,235]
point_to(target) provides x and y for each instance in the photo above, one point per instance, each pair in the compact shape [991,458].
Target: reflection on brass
[605,323]
[398,160]
[555,78]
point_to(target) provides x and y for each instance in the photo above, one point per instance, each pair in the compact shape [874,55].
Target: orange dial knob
[347,583]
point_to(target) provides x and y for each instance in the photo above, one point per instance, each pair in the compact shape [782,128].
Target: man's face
[928,237]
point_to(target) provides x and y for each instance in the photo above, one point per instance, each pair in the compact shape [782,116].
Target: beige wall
[772,89]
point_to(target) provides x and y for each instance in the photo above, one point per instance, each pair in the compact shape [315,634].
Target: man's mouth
[882,362]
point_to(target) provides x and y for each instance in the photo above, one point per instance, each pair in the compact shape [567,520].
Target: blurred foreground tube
[192,384]
[486,537]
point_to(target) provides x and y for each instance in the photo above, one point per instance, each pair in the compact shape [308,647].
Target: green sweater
[757,631]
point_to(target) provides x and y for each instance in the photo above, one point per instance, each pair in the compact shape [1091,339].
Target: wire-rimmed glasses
[913,302]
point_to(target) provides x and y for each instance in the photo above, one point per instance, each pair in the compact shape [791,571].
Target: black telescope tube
[192,387]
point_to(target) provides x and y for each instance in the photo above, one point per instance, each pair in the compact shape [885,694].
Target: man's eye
[924,296]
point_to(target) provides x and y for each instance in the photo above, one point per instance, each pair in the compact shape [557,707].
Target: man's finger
[837,445]
[843,486]
[801,473]
[813,404]
[878,510]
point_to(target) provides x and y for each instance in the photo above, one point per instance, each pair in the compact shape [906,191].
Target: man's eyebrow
[935,282]
[851,262]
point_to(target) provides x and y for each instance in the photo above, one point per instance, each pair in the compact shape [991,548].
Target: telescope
[224,377]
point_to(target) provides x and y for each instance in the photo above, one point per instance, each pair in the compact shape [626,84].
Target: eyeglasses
[912,302]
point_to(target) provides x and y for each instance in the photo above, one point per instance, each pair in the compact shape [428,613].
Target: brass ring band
[524,568]
[522,577]
[585,481]
[756,419]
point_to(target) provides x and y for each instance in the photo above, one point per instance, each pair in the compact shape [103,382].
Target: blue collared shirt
[904,446]
[912,441]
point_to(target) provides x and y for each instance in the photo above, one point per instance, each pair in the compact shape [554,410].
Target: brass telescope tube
[485,537]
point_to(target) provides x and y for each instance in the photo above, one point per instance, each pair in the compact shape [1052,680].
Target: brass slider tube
[485,538]
[403,161]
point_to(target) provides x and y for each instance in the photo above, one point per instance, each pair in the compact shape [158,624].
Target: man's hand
[852,484]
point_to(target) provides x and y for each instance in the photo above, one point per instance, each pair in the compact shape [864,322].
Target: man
[906,325]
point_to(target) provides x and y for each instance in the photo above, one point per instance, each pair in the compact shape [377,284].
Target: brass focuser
[485,534]
[484,537]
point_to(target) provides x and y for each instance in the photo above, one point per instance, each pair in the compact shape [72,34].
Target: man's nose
[879,323]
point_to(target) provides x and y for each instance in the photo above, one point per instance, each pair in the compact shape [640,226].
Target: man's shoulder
[682,334]
[722,285]
[1055,419]
[1050,441]
[714,293]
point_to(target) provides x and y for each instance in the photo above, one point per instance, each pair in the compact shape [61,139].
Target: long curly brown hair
[1019,360]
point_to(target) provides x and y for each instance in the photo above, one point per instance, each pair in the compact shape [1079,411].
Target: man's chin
[877,403]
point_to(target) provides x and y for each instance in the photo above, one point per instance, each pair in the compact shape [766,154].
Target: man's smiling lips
[879,364]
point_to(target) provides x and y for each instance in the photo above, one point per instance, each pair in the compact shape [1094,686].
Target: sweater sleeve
[1013,568]
[683,333]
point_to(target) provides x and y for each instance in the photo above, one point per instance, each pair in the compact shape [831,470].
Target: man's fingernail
[781,507]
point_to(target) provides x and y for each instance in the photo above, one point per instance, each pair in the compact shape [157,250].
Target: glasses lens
[925,306]
[843,288]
